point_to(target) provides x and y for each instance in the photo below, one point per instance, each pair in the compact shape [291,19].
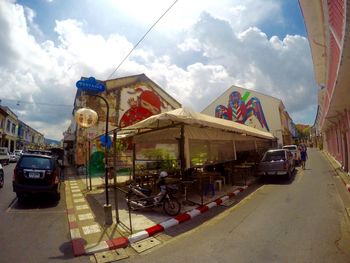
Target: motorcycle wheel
[171,206]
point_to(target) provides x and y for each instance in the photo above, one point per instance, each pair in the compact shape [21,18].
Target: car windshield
[291,148]
[35,162]
[274,156]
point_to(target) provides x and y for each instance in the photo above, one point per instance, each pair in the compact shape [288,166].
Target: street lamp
[91,87]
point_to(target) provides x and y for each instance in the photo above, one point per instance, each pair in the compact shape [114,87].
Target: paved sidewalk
[338,169]
[86,217]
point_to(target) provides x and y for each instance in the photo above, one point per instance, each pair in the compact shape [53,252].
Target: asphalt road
[301,220]
[33,232]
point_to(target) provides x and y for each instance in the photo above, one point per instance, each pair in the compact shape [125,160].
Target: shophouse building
[131,99]
[254,109]
[10,129]
[3,115]
[29,138]
[327,24]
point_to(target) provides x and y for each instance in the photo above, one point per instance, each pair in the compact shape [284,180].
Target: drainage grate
[145,244]
[110,256]
[229,202]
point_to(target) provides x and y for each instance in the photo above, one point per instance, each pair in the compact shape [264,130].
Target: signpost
[91,86]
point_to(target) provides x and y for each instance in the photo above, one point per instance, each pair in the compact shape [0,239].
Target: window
[8,126]
[35,162]
[274,156]
[13,130]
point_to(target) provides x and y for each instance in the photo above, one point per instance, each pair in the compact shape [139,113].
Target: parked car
[36,173]
[1,176]
[38,151]
[18,153]
[13,158]
[4,156]
[276,162]
[295,151]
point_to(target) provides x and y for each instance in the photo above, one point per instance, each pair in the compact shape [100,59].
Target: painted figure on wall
[241,110]
[148,103]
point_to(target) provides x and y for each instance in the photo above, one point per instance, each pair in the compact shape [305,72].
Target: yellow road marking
[300,175]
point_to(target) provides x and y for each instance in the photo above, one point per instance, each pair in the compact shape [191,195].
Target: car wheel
[57,196]
[1,179]
[20,197]
[289,174]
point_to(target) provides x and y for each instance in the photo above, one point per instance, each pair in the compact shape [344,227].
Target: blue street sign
[103,142]
[90,84]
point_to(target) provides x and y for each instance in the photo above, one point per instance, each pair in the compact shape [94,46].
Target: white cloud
[221,48]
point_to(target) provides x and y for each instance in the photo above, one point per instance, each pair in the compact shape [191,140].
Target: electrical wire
[18,102]
[134,47]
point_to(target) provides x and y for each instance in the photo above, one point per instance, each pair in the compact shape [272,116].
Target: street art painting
[142,103]
[243,110]
[127,105]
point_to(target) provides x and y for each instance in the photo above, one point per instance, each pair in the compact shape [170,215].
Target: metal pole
[115,176]
[107,207]
[106,153]
[89,153]
[86,164]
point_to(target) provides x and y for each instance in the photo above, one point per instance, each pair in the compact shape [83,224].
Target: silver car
[276,162]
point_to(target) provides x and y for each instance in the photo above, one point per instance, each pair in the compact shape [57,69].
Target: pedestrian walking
[303,156]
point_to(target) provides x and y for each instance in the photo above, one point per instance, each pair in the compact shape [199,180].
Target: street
[302,220]
[35,231]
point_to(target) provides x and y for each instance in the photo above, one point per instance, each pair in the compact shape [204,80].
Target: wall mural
[145,104]
[241,110]
[136,103]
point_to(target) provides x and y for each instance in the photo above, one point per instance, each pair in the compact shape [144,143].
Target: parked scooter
[140,198]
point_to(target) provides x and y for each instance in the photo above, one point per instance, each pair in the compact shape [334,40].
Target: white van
[4,155]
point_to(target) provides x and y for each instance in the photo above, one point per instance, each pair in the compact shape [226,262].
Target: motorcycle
[138,197]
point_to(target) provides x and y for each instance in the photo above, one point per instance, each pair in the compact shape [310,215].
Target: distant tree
[303,131]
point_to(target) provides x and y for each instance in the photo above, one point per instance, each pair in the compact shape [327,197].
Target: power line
[18,102]
[142,38]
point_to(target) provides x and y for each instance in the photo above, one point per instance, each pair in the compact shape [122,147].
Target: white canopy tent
[184,126]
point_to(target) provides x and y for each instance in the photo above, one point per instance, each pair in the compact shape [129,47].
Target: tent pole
[182,151]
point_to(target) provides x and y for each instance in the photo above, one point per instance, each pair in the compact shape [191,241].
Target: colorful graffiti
[148,103]
[240,109]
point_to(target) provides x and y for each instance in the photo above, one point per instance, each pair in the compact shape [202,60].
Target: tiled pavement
[85,214]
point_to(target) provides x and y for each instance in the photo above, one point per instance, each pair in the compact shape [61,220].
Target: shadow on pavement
[41,201]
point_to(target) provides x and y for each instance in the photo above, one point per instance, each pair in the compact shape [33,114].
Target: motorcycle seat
[146,191]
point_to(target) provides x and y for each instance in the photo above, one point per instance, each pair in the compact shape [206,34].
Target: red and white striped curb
[151,231]
[123,242]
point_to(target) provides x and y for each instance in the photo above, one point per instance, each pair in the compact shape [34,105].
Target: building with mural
[131,99]
[254,109]
[327,25]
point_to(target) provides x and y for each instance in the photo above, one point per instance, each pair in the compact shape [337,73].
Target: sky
[195,52]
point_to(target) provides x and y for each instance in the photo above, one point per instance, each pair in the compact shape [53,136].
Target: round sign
[86,117]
